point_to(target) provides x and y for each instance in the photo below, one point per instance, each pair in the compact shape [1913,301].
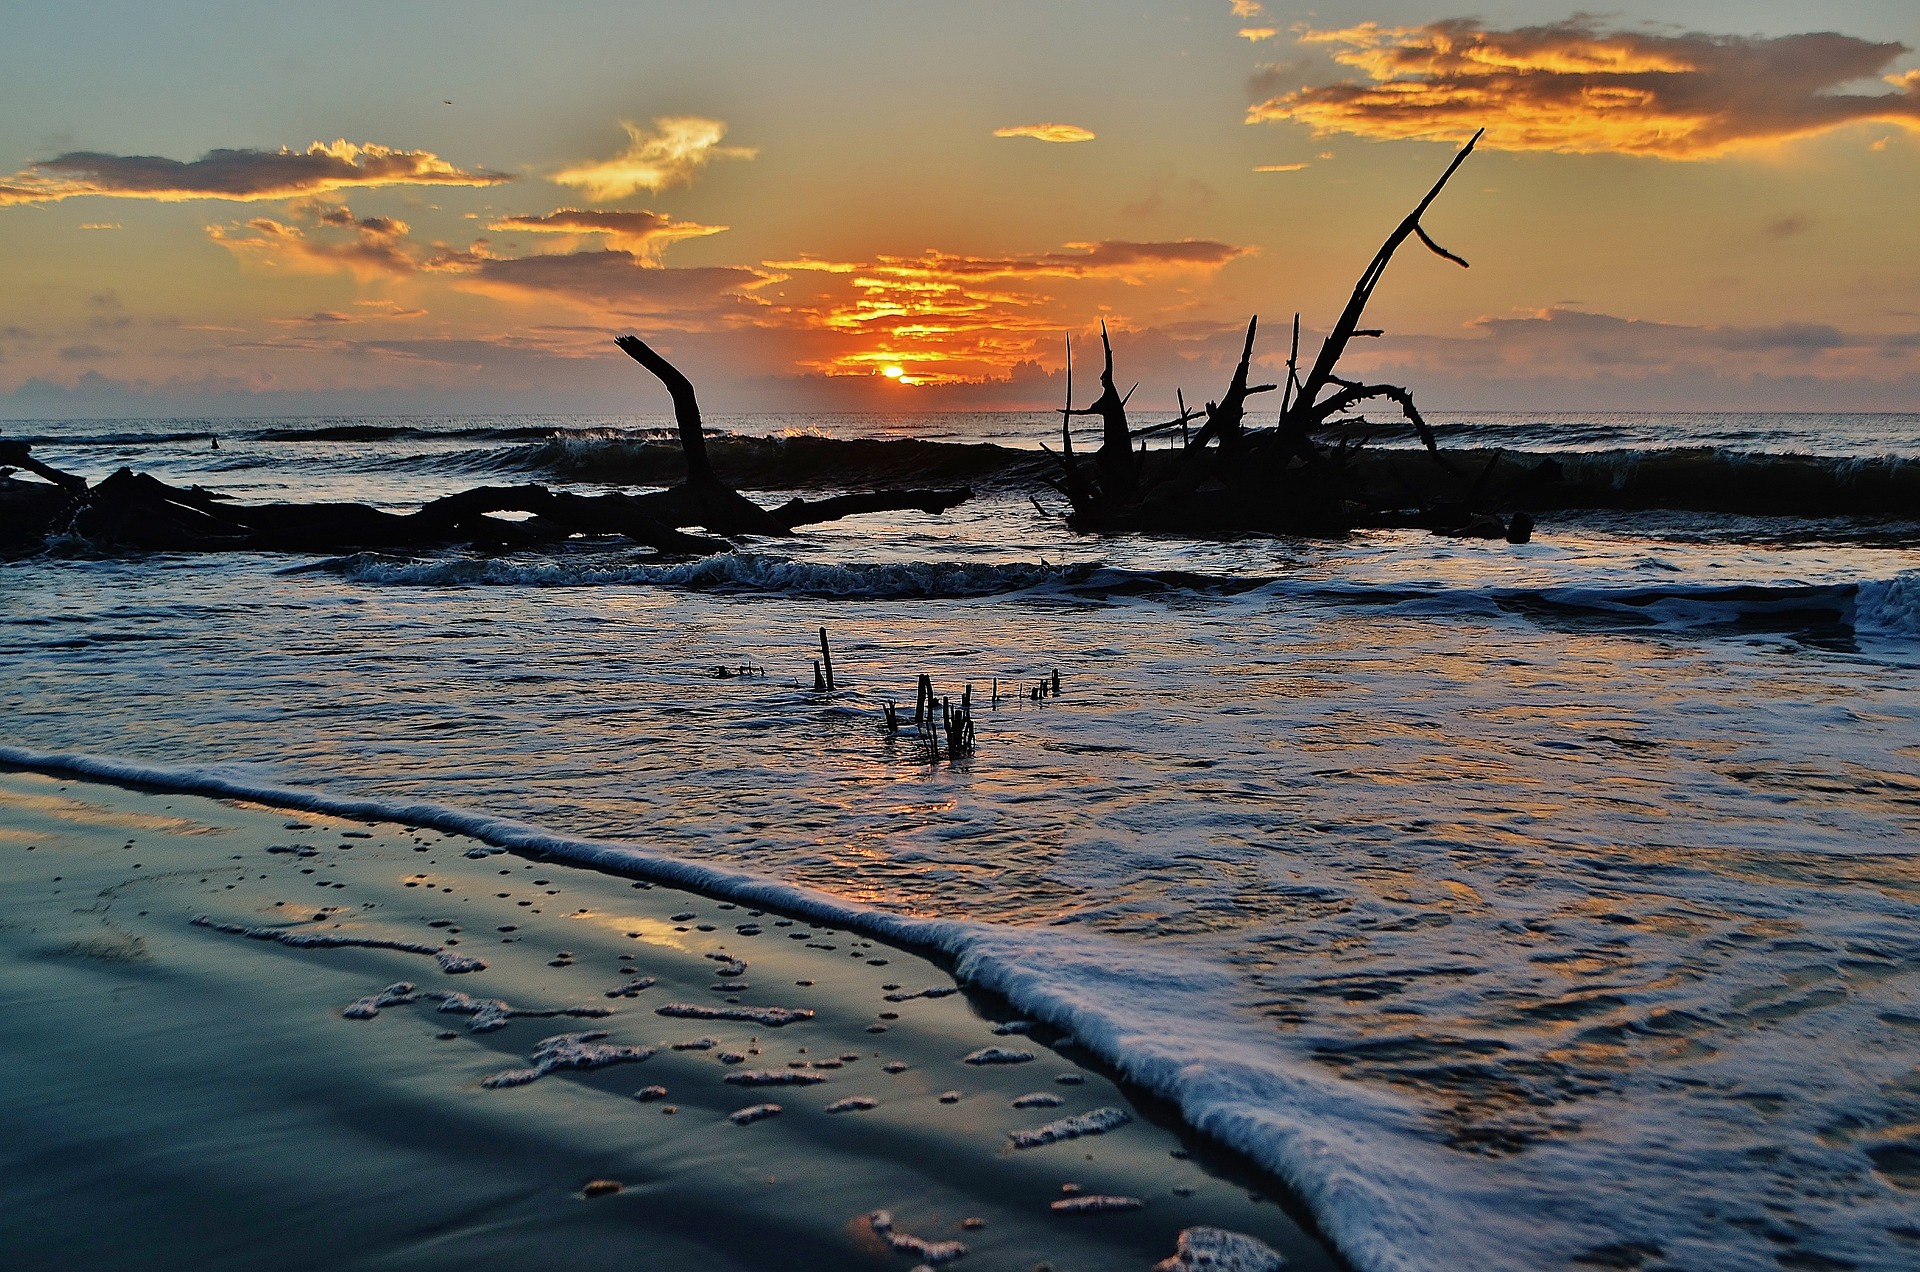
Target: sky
[886,205]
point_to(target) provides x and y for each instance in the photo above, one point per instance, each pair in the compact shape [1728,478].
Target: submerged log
[1283,478]
[137,511]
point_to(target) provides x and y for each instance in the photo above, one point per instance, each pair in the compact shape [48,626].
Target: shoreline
[375,1077]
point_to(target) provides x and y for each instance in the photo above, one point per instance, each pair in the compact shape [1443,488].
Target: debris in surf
[1010,1027]
[632,988]
[853,1104]
[567,1051]
[698,1044]
[773,1017]
[648,1094]
[1097,1122]
[601,1187]
[1037,1100]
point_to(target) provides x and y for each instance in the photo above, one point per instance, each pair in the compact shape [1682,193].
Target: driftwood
[138,511]
[1285,478]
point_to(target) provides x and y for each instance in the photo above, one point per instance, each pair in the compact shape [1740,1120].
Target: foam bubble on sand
[930,1252]
[631,988]
[932,991]
[392,996]
[853,1104]
[1009,1028]
[648,1094]
[1218,1250]
[773,1017]
[772,1077]
[753,1113]
[697,1044]
[450,963]
[1038,1100]
[489,1014]
[997,1055]
[1097,1122]
[1094,1204]
[567,1051]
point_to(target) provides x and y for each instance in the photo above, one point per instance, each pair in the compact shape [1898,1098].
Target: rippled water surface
[1582,876]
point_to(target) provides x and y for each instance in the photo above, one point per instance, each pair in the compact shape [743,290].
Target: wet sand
[236,1092]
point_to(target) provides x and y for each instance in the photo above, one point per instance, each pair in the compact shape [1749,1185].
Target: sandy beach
[238,1036]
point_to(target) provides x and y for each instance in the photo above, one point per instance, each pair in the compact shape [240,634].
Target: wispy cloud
[241,175]
[644,233]
[624,283]
[1577,347]
[1576,87]
[1254,35]
[1280,167]
[332,239]
[1046,132]
[677,148]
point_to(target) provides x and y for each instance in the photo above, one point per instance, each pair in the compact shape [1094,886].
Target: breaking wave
[1888,607]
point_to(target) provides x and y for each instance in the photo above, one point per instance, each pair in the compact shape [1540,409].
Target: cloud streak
[644,233]
[239,175]
[1577,88]
[367,247]
[1576,347]
[1046,132]
[677,148]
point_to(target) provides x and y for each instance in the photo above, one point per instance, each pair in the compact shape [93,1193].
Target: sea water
[1516,904]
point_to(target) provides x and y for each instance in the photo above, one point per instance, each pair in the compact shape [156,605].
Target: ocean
[1517,905]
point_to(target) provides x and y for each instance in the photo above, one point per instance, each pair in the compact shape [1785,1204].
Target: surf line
[1179,1035]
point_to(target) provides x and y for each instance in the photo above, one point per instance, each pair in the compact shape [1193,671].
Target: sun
[893,373]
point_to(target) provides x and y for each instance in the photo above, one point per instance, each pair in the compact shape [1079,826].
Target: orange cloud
[945,318]
[240,175]
[367,247]
[1046,132]
[644,233]
[679,147]
[1280,167]
[1575,88]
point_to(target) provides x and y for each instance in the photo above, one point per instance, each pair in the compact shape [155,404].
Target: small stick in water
[1056,681]
[826,656]
[819,681]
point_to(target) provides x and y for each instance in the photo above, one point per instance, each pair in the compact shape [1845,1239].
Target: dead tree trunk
[1307,411]
[137,511]
[1232,478]
[1114,464]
